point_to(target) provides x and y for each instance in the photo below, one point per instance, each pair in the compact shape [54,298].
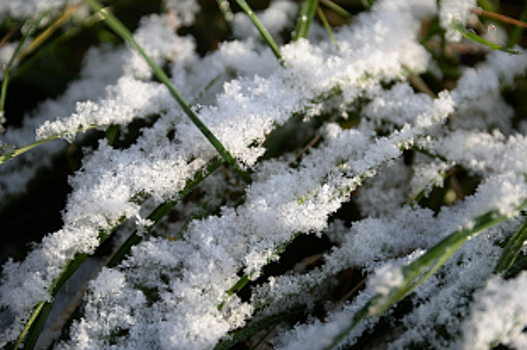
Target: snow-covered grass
[301,186]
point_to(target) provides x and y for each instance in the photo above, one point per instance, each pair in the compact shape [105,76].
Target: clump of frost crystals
[455,12]
[185,11]
[498,315]
[386,279]
[28,8]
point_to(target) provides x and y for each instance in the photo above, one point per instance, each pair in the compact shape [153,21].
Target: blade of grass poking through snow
[327,26]
[512,250]
[31,25]
[38,319]
[416,198]
[336,8]
[307,13]
[263,31]
[162,210]
[125,34]
[474,37]
[247,277]
[427,264]
[24,149]
[40,314]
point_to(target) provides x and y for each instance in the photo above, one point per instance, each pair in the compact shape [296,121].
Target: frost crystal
[488,324]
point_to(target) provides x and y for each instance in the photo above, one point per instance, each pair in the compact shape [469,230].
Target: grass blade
[12,154]
[432,260]
[111,133]
[124,33]
[474,37]
[40,314]
[32,26]
[24,149]
[263,31]
[324,21]
[38,318]
[247,277]
[304,19]
[336,8]
[162,210]
[512,250]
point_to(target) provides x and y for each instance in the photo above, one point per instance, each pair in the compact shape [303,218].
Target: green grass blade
[263,31]
[162,210]
[32,26]
[159,212]
[40,314]
[336,8]
[324,21]
[367,3]
[307,13]
[37,320]
[111,133]
[486,5]
[474,37]
[416,198]
[247,277]
[512,250]
[124,33]
[24,149]
[425,266]
[29,326]
[12,154]
[520,264]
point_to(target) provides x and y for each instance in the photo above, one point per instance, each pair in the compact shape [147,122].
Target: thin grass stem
[307,13]
[32,26]
[474,37]
[124,33]
[162,210]
[263,31]
[12,154]
[336,8]
[324,21]
[40,39]
[21,150]
[425,266]
[33,329]
[512,249]
[497,16]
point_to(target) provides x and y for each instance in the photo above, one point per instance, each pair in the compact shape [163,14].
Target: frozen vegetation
[437,179]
